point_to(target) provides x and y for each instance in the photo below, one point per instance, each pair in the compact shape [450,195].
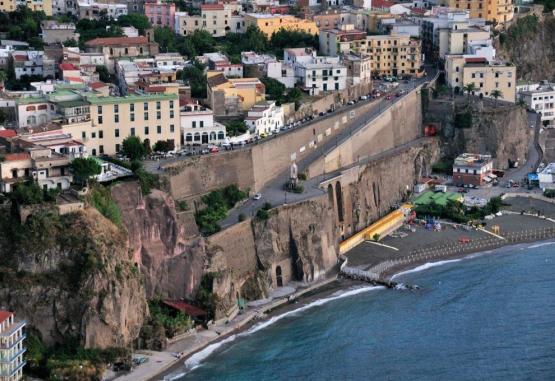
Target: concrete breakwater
[386,269]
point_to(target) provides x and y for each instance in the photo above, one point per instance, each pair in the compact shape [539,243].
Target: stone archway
[339,199]
[330,196]
[279,278]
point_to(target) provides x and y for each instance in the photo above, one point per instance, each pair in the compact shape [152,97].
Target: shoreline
[323,290]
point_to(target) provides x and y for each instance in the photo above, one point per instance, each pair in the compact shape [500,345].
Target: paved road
[273,192]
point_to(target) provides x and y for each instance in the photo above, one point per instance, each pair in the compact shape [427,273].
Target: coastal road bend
[274,194]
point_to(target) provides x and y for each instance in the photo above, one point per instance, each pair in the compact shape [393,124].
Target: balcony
[4,373]
[13,328]
[9,360]
[6,346]
[55,160]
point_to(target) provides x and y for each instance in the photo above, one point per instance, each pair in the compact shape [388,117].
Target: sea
[486,317]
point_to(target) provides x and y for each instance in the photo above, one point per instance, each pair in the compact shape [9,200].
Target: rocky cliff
[170,258]
[71,278]
[529,44]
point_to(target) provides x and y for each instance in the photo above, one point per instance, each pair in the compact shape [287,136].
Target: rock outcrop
[71,278]
[171,261]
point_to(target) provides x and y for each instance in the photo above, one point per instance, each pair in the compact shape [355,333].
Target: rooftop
[186,308]
[472,159]
[111,41]
[549,169]
[4,315]
[17,156]
[100,100]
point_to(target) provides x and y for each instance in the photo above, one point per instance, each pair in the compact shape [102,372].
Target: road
[274,194]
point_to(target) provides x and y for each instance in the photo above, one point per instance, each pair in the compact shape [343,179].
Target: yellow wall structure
[499,11]
[270,24]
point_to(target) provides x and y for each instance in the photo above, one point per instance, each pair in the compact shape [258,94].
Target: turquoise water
[491,317]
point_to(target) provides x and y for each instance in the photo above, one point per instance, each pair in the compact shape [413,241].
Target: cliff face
[529,44]
[170,260]
[71,277]
[502,132]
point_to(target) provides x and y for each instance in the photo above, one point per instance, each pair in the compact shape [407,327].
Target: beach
[518,217]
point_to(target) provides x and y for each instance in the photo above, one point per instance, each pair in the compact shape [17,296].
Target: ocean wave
[195,360]
[425,266]
[541,244]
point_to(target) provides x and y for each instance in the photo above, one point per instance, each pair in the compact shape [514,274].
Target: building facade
[540,97]
[233,96]
[270,24]
[92,10]
[160,14]
[486,76]
[35,5]
[12,348]
[265,118]
[53,32]
[217,19]
[198,126]
[472,169]
[496,11]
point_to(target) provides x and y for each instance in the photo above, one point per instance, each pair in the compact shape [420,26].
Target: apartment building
[92,10]
[359,68]
[540,97]
[32,62]
[259,65]
[198,126]
[270,24]
[265,118]
[43,157]
[160,13]
[217,19]
[119,47]
[11,347]
[487,76]
[233,96]
[219,62]
[64,7]
[54,32]
[334,42]
[35,5]
[495,11]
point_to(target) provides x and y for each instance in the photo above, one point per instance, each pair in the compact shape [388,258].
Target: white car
[257,196]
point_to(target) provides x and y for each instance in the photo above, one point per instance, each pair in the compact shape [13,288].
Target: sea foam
[425,266]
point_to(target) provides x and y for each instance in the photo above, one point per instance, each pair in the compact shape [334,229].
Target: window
[100,134]
[158,115]
[158,105]
[171,104]
[145,106]
[116,118]
[132,131]
[132,117]
[146,116]
[100,119]
[99,109]
[159,129]
[189,137]
[172,128]
[101,149]
[201,123]
[171,114]
[194,124]
[117,147]
[116,109]
[83,135]
[146,130]
[132,107]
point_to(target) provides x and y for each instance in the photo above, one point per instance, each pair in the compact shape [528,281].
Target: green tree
[71,43]
[165,37]
[235,127]
[163,146]
[133,148]
[283,39]
[84,169]
[103,73]
[136,20]
[274,89]
[3,78]
[496,94]
[195,77]
[27,194]
[469,88]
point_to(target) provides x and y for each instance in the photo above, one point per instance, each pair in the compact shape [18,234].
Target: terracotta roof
[212,7]
[4,315]
[97,85]
[475,60]
[68,66]
[382,4]
[216,80]
[419,11]
[7,133]
[20,57]
[183,101]
[74,79]
[108,41]
[17,156]
[186,308]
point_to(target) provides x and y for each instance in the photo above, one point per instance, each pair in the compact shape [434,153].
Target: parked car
[257,196]
[214,150]
[350,103]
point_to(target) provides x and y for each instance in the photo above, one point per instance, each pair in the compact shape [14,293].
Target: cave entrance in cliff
[330,195]
[339,197]
[279,279]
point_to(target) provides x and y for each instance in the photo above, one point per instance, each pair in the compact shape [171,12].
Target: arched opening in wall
[279,280]
[339,197]
[374,193]
[330,195]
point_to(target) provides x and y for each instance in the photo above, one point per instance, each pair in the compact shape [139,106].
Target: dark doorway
[279,280]
[330,195]
[204,138]
[339,197]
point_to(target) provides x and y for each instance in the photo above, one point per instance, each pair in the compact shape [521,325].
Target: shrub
[241,217]
[217,203]
[182,205]
[84,168]
[463,120]
[262,214]
[101,199]
[27,194]
[549,193]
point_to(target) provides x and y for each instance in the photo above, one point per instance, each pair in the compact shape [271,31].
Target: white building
[270,67]
[90,9]
[32,62]
[316,73]
[198,126]
[540,97]
[547,177]
[11,347]
[265,118]
[219,62]
[169,61]
[130,31]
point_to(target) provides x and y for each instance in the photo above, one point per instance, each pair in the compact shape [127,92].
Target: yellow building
[34,5]
[270,24]
[152,117]
[232,96]
[499,11]
[486,76]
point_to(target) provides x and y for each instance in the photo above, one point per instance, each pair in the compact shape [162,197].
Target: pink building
[160,13]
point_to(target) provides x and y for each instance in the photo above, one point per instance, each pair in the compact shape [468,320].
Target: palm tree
[469,88]
[496,94]
[3,77]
